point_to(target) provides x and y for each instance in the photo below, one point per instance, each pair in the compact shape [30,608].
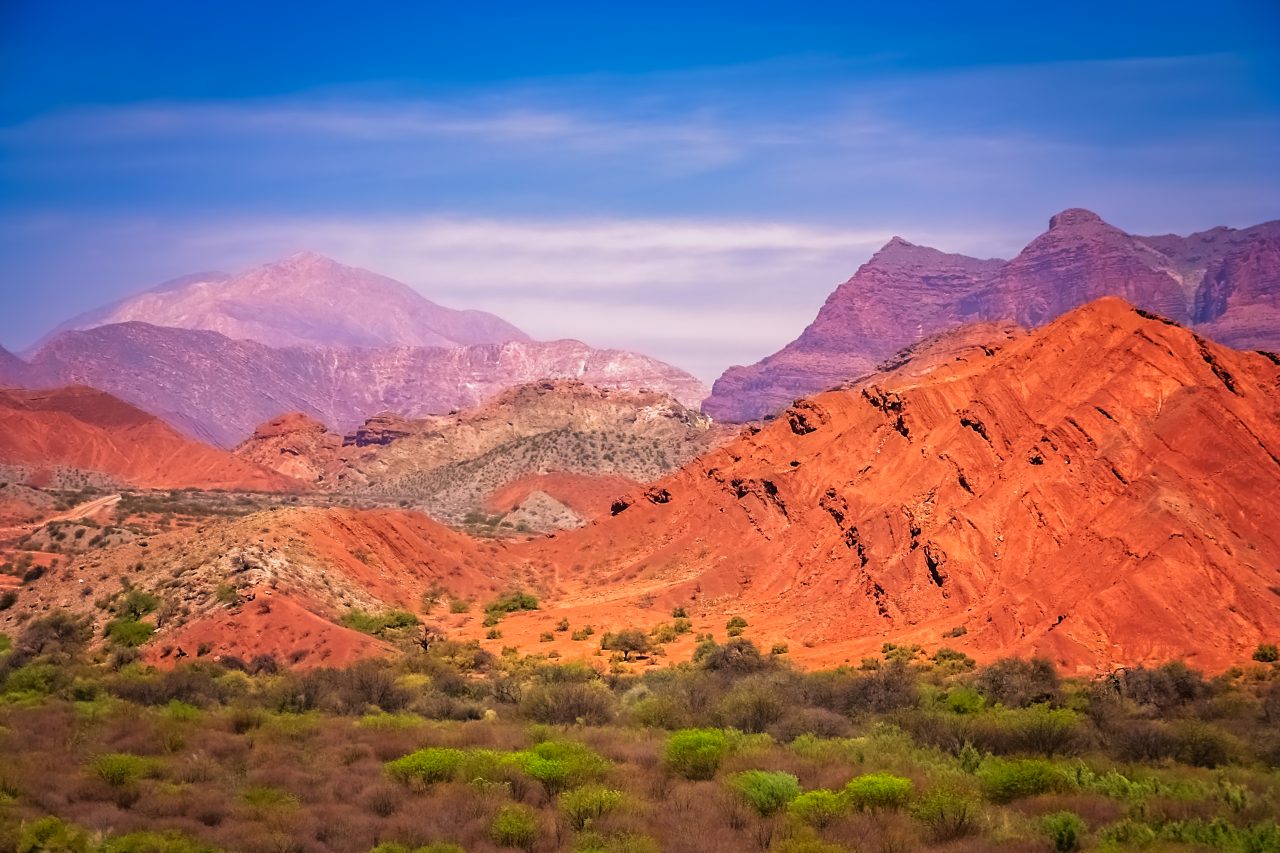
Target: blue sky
[690,180]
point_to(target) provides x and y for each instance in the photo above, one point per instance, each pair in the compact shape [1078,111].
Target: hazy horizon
[611,177]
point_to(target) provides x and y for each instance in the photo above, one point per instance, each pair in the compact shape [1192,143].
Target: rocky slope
[1225,282]
[218,389]
[1097,491]
[304,300]
[83,430]
[452,465]
[14,372]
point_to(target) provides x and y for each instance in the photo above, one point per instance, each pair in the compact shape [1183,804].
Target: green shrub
[561,765]
[818,808]
[379,623]
[628,641]
[964,700]
[1267,653]
[696,753]
[947,813]
[1003,780]
[878,791]
[515,825]
[264,797]
[459,605]
[1064,830]
[588,803]
[511,602]
[120,768]
[767,792]
[135,604]
[51,835]
[129,632]
[433,764]
[38,678]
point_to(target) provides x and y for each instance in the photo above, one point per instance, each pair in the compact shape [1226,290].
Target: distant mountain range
[215,356]
[1224,282]
[305,299]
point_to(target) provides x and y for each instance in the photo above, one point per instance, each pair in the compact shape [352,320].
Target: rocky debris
[380,430]
[540,512]
[573,439]
[1224,282]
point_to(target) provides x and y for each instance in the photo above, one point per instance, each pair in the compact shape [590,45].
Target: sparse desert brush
[947,813]
[121,768]
[1064,829]
[515,825]
[583,805]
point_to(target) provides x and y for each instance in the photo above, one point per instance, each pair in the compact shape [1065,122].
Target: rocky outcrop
[85,430]
[304,300]
[1097,491]
[1225,282]
[563,438]
[218,389]
[296,445]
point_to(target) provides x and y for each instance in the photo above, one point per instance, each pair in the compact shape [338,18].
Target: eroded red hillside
[84,429]
[1100,491]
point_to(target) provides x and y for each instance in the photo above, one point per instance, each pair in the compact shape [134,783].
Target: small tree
[628,641]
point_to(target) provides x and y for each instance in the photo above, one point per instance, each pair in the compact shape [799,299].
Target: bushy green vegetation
[451,747]
[767,792]
[697,753]
[378,624]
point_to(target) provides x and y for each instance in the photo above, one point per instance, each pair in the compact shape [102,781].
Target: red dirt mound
[81,428]
[586,494]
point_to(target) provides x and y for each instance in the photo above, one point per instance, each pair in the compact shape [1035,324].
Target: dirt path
[84,510]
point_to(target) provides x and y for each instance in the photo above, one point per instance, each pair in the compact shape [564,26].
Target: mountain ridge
[1224,281]
[300,300]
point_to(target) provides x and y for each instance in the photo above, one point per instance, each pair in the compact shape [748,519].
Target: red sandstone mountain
[86,430]
[218,389]
[304,300]
[1098,491]
[1225,282]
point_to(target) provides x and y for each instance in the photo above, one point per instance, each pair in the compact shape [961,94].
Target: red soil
[589,495]
[275,625]
[81,428]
